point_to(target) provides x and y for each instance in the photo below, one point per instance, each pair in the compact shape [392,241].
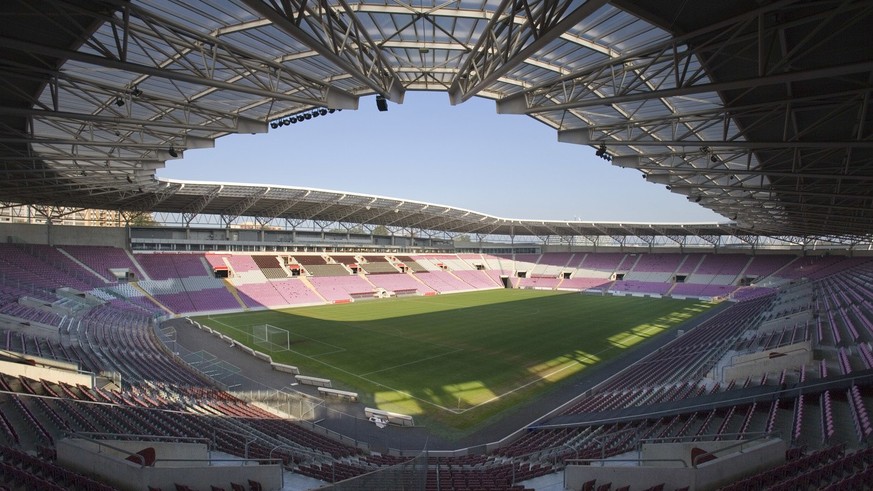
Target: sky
[465,156]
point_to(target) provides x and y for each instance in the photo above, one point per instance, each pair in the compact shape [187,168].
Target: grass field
[455,360]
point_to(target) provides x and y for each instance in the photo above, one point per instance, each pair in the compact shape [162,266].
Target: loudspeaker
[381,103]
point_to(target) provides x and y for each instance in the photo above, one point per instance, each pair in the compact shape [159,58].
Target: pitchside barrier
[279,367]
[307,380]
[344,394]
[263,356]
[393,418]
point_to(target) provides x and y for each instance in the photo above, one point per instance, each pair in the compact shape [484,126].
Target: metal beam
[345,43]
[519,103]
[243,124]
[582,136]
[503,45]
[27,47]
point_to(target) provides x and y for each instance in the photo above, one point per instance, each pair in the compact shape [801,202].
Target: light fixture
[119,102]
[602,153]
[303,116]
[136,92]
[381,103]
[173,152]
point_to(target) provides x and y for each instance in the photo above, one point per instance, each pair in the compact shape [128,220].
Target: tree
[143,220]
[381,230]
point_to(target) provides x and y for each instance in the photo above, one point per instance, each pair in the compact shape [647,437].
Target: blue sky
[425,149]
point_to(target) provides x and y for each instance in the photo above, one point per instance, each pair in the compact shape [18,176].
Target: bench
[307,380]
[344,394]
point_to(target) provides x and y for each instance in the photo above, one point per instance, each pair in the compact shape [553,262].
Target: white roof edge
[483,215]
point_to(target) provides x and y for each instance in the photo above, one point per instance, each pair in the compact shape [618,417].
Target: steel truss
[761,115]
[335,33]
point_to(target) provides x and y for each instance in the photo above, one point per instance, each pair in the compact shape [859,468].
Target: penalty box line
[336,349]
[413,362]
[524,386]
[392,389]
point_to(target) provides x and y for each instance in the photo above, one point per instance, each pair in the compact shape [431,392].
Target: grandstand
[757,110]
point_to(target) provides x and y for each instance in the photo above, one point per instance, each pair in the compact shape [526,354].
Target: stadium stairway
[368,281]
[416,278]
[233,291]
[82,265]
[139,269]
[309,285]
[151,298]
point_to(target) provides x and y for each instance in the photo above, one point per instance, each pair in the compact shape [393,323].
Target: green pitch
[454,360]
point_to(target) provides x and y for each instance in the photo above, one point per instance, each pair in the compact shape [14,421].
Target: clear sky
[425,149]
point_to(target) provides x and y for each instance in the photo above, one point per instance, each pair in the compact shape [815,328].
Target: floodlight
[173,152]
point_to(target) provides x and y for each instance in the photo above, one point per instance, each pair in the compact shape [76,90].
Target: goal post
[271,338]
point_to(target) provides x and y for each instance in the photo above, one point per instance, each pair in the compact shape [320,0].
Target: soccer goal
[271,338]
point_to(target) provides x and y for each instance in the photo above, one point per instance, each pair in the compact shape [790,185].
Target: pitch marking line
[520,387]
[425,401]
[337,349]
[392,389]
[404,393]
[413,362]
[399,334]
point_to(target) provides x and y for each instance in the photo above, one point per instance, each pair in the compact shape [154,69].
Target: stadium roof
[758,110]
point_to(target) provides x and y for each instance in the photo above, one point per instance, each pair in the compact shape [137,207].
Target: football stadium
[207,335]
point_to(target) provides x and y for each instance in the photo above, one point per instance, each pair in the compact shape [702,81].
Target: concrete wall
[756,364]
[735,464]
[93,459]
[46,373]
[724,470]
[64,234]
[678,451]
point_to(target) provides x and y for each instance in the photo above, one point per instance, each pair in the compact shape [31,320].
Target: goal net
[271,338]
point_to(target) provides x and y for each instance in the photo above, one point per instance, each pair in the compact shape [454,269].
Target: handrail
[806,387]
[637,460]
[757,434]
[729,447]
[172,439]
[99,443]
